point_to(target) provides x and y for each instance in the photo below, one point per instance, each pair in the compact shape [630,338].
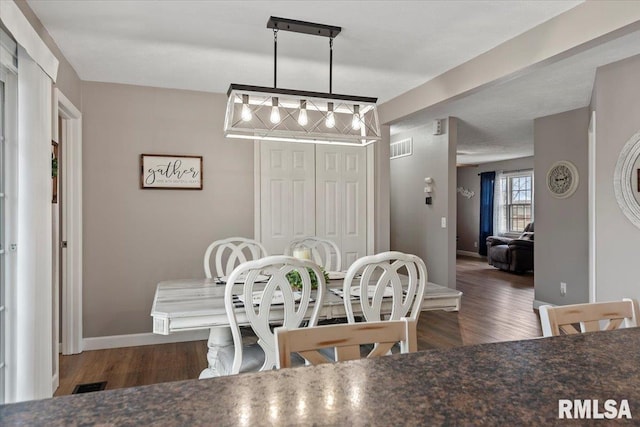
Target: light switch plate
[443,222]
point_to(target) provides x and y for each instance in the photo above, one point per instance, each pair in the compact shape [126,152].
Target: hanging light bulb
[355,123]
[302,117]
[246,111]
[331,120]
[275,111]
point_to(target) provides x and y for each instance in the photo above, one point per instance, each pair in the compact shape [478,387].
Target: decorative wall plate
[626,179]
[562,179]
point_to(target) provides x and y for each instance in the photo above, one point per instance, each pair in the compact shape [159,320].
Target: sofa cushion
[526,236]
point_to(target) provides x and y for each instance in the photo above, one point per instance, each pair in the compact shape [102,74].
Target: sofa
[513,255]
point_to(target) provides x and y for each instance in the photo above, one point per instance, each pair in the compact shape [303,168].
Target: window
[514,202]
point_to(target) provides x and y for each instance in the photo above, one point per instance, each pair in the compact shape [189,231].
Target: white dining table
[197,304]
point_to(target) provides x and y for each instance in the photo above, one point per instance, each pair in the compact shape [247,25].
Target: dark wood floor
[496,306]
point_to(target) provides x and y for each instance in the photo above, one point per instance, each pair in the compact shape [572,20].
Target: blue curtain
[487,180]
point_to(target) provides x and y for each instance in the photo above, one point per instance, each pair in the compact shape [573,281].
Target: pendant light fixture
[264,113]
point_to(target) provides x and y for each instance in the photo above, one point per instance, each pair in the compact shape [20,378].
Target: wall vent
[401,148]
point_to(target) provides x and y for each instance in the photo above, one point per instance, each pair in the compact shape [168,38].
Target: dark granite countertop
[514,383]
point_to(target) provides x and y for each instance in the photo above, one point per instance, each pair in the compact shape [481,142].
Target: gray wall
[135,238]
[468,218]
[68,81]
[415,226]
[617,105]
[381,193]
[561,245]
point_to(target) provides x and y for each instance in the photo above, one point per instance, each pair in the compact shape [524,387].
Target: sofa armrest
[521,244]
[497,240]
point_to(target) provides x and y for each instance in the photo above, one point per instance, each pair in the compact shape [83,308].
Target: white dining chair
[376,279]
[592,317]
[346,340]
[249,301]
[324,252]
[229,253]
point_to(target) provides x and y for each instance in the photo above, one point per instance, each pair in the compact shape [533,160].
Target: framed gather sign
[162,171]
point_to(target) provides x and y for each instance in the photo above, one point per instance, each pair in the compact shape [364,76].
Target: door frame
[71,198]
[257,186]
[593,295]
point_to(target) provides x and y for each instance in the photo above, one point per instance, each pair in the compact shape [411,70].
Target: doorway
[68,129]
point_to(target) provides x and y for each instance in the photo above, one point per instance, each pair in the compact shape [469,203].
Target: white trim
[55,381]
[71,183]
[19,27]
[537,304]
[134,340]
[468,253]
[371,199]
[592,209]
[257,192]
[55,283]
[11,236]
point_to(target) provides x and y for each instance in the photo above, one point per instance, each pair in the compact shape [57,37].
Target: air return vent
[401,148]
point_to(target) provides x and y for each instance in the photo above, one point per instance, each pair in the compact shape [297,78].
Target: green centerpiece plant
[295,280]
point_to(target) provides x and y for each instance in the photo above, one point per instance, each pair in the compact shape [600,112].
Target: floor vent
[89,387]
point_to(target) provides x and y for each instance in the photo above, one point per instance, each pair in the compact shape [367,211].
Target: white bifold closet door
[341,199]
[287,193]
[309,189]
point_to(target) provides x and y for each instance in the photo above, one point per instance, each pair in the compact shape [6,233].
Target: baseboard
[472,254]
[537,304]
[134,340]
[55,383]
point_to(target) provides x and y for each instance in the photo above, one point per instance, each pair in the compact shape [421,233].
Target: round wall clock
[562,179]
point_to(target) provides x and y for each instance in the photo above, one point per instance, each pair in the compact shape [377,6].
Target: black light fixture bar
[303,27]
[300,93]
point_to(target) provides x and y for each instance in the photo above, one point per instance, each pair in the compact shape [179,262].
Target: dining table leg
[220,337]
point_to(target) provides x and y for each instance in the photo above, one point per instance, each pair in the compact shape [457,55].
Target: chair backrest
[231,252]
[324,252]
[560,320]
[346,339]
[243,284]
[380,274]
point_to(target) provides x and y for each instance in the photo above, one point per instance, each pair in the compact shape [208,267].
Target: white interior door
[287,193]
[341,199]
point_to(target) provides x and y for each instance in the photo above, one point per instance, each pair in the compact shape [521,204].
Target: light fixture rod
[331,65]
[275,58]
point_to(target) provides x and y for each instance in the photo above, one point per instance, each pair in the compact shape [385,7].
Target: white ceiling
[497,122]
[385,49]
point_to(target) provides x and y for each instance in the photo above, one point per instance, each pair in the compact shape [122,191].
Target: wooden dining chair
[266,280]
[599,316]
[376,279]
[346,339]
[324,252]
[229,253]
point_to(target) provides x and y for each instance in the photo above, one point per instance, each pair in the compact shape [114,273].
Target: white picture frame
[626,179]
